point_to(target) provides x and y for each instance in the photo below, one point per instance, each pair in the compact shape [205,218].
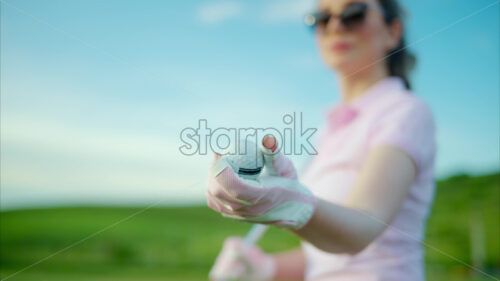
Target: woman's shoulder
[405,105]
[406,121]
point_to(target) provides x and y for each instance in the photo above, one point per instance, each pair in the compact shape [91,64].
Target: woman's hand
[237,261]
[276,198]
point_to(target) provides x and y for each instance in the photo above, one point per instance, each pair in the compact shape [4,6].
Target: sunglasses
[353,16]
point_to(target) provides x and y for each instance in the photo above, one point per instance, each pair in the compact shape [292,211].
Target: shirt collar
[343,113]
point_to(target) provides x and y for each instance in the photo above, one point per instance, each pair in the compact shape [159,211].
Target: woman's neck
[354,86]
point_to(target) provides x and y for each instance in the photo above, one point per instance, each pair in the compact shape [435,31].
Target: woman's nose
[334,25]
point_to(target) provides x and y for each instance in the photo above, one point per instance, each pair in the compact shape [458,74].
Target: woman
[371,183]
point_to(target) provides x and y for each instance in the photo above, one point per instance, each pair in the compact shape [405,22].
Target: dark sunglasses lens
[354,15]
[322,19]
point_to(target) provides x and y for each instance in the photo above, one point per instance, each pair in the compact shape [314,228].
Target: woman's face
[347,50]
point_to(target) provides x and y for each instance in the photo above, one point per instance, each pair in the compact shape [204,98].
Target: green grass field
[181,243]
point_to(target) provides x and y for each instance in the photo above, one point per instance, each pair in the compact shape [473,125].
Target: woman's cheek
[367,49]
[328,56]
[372,40]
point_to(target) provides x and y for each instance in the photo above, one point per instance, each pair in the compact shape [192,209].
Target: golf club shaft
[254,234]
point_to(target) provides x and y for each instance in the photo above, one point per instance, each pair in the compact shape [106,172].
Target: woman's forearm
[375,200]
[290,265]
[338,229]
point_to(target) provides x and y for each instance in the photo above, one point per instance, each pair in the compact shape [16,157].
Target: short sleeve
[409,126]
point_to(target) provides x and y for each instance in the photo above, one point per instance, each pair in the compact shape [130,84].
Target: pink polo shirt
[386,114]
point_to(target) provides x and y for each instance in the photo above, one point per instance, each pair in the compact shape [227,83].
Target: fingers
[242,262]
[269,150]
[269,142]
[216,156]
[237,189]
[269,145]
[229,261]
[284,166]
[223,203]
[275,163]
[230,195]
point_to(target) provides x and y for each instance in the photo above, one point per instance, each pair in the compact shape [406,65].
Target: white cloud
[69,145]
[76,164]
[284,11]
[216,12]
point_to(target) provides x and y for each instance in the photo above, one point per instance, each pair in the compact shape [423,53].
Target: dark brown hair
[400,61]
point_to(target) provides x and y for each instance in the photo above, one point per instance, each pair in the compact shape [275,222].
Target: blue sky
[94,94]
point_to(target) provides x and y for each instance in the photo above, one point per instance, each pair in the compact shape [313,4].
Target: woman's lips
[340,46]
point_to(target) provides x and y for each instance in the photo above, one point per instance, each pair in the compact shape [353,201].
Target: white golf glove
[275,197]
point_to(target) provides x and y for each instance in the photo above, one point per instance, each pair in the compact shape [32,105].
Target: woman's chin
[340,64]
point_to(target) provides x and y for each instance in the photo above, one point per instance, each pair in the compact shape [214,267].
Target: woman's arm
[378,194]
[290,265]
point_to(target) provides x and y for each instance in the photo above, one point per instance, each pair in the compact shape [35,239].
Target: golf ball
[245,158]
